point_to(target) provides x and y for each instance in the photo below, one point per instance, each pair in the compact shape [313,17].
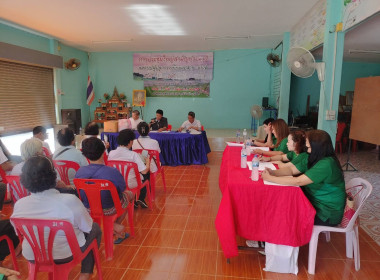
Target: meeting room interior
[201,140]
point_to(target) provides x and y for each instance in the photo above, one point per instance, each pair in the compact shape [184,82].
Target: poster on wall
[173,66]
[309,31]
[165,88]
[355,11]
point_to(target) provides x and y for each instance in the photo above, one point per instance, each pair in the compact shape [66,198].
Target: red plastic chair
[17,190]
[34,230]
[169,127]
[11,249]
[93,189]
[63,167]
[202,128]
[156,155]
[3,175]
[125,167]
[46,152]
[339,136]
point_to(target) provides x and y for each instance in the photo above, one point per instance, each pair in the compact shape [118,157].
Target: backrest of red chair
[17,189]
[63,167]
[202,128]
[93,188]
[340,130]
[169,127]
[46,152]
[152,154]
[34,231]
[3,175]
[124,168]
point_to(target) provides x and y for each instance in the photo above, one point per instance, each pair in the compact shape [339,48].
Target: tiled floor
[177,240]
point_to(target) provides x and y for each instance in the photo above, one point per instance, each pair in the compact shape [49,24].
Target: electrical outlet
[330,115]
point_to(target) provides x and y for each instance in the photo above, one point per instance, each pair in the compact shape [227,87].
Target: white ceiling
[105,25]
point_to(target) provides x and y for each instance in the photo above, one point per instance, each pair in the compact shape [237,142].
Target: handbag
[349,209]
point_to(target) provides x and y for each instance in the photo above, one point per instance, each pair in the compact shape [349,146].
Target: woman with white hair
[31,148]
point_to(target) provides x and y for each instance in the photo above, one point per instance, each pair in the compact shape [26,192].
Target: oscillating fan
[256,113]
[72,64]
[302,63]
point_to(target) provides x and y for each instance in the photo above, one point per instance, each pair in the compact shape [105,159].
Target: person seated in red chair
[93,149]
[67,151]
[146,143]
[39,132]
[191,123]
[123,152]
[30,148]
[159,123]
[39,177]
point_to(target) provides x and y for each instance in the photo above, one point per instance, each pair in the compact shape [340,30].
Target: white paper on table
[275,184]
[262,165]
[265,149]
[233,144]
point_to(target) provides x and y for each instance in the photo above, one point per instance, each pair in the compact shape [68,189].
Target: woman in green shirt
[297,150]
[280,131]
[321,177]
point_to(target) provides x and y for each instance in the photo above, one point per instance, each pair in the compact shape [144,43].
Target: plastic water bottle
[243,162]
[255,168]
[238,136]
[244,135]
[248,146]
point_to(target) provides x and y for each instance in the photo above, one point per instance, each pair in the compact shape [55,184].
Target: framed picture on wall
[139,97]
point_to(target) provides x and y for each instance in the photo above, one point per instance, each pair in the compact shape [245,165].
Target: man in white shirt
[146,143]
[67,151]
[123,152]
[135,120]
[191,123]
[39,132]
[45,202]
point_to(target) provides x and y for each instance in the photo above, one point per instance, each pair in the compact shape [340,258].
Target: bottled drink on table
[248,146]
[238,136]
[243,162]
[255,168]
[244,135]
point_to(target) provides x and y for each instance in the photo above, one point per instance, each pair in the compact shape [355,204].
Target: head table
[176,148]
[255,211]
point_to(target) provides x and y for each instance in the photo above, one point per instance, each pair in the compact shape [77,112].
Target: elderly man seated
[191,123]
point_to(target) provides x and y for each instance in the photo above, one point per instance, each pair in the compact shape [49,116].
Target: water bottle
[244,135]
[238,136]
[80,131]
[243,162]
[248,146]
[255,168]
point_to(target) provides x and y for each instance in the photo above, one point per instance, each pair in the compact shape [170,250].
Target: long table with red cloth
[255,211]
[176,148]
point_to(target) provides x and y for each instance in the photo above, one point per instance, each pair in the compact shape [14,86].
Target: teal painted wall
[22,38]
[300,87]
[241,79]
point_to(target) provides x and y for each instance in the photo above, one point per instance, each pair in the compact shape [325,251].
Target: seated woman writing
[280,131]
[45,202]
[297,150]
[269,138]
[320,176]
[93,149]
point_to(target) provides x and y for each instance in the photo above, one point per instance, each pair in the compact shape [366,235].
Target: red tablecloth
[276,214]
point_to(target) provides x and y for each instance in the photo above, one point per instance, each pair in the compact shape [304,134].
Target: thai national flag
[90,92]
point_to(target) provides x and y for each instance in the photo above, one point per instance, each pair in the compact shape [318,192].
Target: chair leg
[355,239]
[153,178]
[32,275]
[108,235]
[97,261]
[13,254]
[349,244]
[313,252]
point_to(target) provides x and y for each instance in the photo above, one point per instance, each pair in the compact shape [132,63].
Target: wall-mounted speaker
[265,102]
[72,118]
